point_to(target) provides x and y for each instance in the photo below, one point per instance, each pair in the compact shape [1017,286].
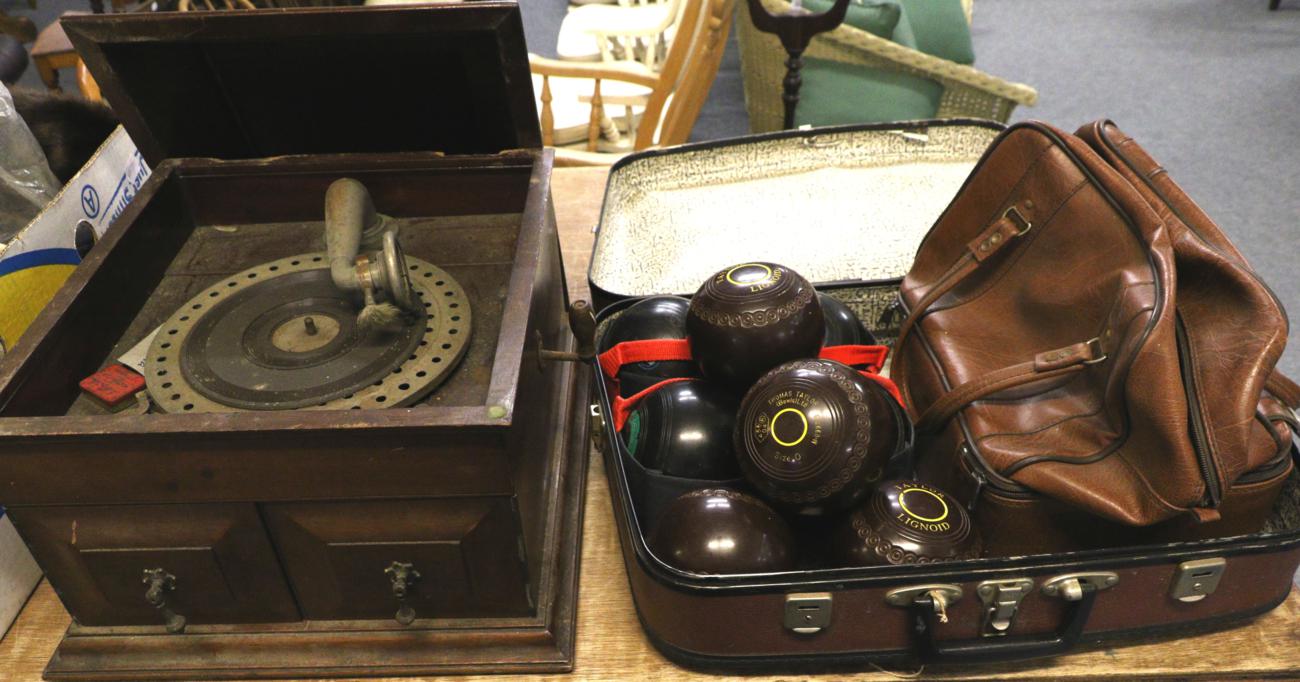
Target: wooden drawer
[466,551]
[222,567]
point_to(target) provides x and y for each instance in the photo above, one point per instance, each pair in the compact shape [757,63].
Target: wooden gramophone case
[276,527]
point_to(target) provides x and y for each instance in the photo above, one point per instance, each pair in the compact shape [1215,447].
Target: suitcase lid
[446,77]
[841,204]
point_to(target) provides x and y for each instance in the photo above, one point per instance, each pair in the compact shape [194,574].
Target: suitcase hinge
[1001,602]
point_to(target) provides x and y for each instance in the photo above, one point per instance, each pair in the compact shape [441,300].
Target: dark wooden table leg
[795,29]
[791,85]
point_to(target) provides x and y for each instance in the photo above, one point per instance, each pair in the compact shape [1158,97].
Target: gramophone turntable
[364,451]
[360,326]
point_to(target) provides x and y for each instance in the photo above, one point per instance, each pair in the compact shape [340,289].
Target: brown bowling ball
[749,318]
[657,317]
[843,328]
[717,530]
[813,436]
[684,429]
[905,522]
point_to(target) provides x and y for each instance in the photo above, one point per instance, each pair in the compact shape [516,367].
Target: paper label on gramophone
[139,353]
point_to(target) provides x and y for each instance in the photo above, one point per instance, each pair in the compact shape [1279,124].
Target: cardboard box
[33,265]
[37,261]
[18,574]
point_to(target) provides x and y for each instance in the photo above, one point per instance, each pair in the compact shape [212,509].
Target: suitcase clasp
[1071,586]
[1196,580]
[807,613]
[1001,601]
[937,596]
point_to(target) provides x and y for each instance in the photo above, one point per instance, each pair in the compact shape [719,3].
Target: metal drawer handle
[403,576]
[161,582]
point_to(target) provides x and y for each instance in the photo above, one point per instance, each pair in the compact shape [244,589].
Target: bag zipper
[1195,420]
[1193,229]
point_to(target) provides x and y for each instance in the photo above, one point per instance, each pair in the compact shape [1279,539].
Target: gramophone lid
[218,84]
[908,521]
[815,432]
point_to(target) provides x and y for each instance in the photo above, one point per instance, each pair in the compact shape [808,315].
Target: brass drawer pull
[161,582]
[403,577]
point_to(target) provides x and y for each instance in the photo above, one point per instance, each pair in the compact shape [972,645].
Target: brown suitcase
[998,608]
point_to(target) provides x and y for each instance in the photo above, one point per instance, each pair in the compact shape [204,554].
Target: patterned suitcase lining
[839,206]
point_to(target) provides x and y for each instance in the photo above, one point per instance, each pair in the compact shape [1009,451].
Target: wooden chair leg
[548,114]
[49,75]
[597,113]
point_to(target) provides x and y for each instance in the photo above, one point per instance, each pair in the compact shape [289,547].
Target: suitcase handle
[987,649]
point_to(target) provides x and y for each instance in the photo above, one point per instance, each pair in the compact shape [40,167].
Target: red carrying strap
[654,350]
[870,358]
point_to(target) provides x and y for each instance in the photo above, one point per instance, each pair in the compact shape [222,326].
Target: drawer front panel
[208,563]
[464,554]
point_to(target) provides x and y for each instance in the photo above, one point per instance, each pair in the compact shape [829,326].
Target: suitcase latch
[939,597]
[1196,580]
[807,613]
[1070,586]
[1001,601]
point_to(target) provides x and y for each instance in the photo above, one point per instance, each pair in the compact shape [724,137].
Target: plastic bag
[26,182]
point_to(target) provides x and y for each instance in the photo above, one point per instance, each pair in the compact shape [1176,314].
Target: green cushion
[877,18]
[940,29]
[836,93]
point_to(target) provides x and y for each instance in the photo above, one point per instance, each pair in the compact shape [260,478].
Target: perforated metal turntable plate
[245,343]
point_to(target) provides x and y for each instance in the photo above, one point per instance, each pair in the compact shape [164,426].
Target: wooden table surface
[611,645]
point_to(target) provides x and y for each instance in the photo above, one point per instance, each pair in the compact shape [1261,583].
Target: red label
[113,384]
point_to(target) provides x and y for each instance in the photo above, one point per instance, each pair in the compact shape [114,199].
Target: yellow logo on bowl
[767,275]
[902,502]
[803,434]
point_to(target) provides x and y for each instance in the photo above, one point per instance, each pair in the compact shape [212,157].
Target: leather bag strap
[1047,365]
[1003,231]
[1284,389]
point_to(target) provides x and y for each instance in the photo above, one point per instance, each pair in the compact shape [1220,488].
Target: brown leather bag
[1085,353]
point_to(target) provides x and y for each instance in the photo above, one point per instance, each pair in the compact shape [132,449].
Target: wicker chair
[967,91]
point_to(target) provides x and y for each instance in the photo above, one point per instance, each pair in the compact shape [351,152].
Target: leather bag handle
[993,239]
[1047,365]
[1284,389]
[985,649]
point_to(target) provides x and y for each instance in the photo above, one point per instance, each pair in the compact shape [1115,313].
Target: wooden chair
[627,32]
[53,51]
[86,82]
[671,99]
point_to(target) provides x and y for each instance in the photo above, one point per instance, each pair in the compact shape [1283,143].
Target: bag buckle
[1098,353]
[1017,218]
